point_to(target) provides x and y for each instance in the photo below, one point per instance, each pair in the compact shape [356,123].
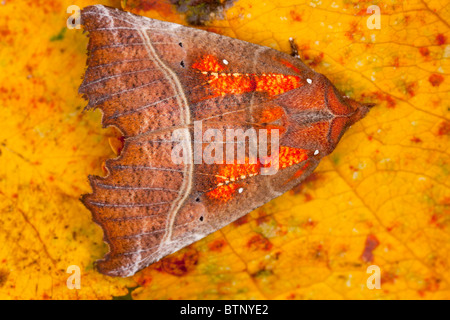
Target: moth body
[184,100]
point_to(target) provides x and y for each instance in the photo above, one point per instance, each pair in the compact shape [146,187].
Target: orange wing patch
[223,193]
[208,63]
[231,174]
[237,83]
[290,156]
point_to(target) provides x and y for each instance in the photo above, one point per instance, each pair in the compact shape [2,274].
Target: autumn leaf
[381,198]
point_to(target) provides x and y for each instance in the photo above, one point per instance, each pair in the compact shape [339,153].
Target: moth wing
[144,68]
[151,78]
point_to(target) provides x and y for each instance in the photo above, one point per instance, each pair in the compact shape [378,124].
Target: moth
[166,87]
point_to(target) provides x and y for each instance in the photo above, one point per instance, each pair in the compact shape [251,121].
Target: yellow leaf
[382,198]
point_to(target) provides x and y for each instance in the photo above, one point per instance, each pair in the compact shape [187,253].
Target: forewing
[151,78]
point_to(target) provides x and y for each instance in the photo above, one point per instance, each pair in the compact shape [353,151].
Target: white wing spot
[225,62]
[240,190]
[316,152]
[309,81]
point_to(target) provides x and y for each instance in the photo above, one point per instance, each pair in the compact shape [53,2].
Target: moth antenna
[294,48]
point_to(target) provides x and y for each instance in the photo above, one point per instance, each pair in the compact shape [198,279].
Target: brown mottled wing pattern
[140,75]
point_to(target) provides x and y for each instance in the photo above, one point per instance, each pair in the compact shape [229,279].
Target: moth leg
[294,48]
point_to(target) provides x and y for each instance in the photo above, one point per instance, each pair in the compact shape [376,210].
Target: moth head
[318,114]
[343,106]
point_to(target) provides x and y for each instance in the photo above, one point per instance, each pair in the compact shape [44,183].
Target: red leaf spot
[241,221]
[354,29]
[144,278]
[161,7]
[441,39]
[388,277]
[217,245]
[446,201]
[436,80]
[180,263]
[416,140]
[390,102]
[295,16]
[396,62]
[424,51]
[5,32]
[393,226]
[440,219]
[444,128]
[309,224]
[262,220]
[258,242]
[362,12]
[407,19]
[410,89]
[320,253]
[385,97]
[317,60]
[434,219]
[371,243]
[431,285]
